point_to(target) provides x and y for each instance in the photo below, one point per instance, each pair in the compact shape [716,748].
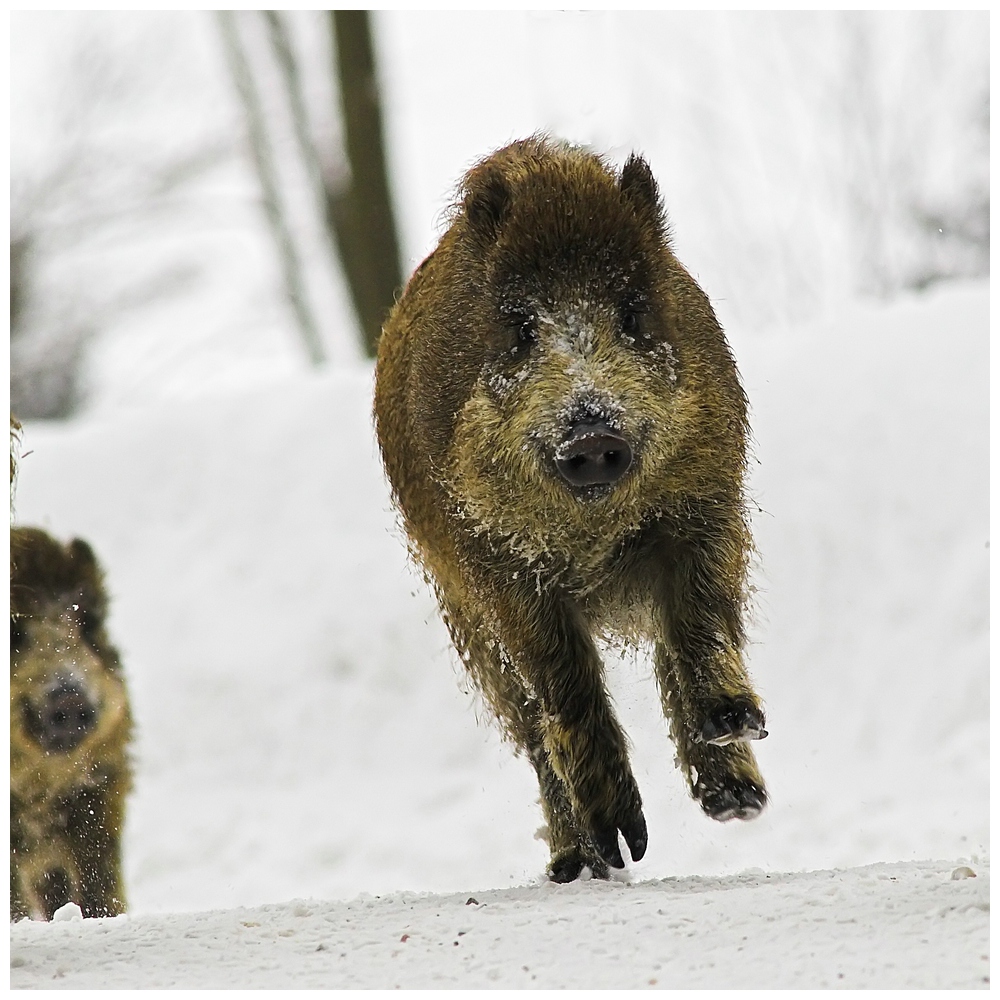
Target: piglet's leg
[46,876]
[95,824]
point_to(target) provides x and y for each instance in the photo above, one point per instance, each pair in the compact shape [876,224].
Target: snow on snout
[570,333]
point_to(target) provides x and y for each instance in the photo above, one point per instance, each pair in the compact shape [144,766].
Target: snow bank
[303,731]
[915,926]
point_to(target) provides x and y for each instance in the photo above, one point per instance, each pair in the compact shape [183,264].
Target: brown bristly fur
[470,415]
[67,805]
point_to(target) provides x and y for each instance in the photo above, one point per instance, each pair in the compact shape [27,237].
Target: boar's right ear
[487,198]
[638,187]
[83,559]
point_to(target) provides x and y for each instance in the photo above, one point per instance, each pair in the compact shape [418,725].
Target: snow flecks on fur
[578,369]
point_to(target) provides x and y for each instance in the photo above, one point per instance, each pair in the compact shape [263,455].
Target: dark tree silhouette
[355,203]
[360,214]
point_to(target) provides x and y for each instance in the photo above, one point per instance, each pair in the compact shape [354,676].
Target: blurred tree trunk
[20,251]
[360,215]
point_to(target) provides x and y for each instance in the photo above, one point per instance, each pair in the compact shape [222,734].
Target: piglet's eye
[16,635]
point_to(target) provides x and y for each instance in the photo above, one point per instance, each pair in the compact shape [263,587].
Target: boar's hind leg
[713,709]
[547,645]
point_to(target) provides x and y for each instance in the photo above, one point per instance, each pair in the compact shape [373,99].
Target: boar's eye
[631,320]
[16,635]
[523,324]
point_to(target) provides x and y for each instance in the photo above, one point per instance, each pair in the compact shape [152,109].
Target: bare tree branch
[281,43]
[267,175]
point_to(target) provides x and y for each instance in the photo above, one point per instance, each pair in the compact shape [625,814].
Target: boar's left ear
[638,187]
[486,200]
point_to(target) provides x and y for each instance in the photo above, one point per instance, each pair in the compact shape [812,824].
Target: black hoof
[735,799]
[636,837]
[735,720]
[606,842]
[634,832]
[568,867]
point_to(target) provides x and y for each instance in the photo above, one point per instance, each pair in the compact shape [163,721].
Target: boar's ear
[638,187]
[83,559]
[486,200]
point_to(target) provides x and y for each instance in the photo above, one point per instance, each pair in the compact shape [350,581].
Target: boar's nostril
[593,454]
[63,719]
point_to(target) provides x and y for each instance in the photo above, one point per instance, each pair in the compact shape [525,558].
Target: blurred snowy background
[302,725]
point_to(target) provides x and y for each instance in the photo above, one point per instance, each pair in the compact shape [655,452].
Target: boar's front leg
[574,740]
[570,847]
[520,713]
[706,692]
[583,741]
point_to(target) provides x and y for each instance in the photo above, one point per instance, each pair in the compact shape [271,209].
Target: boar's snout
[593,454]
[63,718]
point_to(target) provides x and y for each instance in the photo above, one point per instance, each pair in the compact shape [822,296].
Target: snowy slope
[303,731]
[910,925]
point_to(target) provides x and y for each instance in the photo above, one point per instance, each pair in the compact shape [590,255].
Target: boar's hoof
[634,832]
[736,720]
[567,867]
[63,719]
[735,798]
[593,455]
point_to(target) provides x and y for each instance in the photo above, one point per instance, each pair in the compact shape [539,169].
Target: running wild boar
[564,430]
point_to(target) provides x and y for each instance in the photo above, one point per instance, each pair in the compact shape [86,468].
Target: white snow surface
[909,925]
[304,731]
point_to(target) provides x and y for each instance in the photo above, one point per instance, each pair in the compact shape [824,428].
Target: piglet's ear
[487,198]
[638,187]
[89,579]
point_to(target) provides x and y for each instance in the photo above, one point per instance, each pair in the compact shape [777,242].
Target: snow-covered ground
[304,732]
[899,926]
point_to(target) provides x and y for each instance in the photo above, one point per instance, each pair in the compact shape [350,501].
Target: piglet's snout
[592,454]
[63,718]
